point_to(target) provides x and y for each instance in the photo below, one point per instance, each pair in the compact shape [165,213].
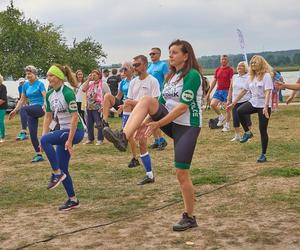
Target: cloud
[128,28]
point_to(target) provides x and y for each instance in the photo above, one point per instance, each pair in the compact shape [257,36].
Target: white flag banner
[242,44]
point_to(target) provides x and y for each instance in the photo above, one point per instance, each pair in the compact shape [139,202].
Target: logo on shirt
[73,106]
[187,95]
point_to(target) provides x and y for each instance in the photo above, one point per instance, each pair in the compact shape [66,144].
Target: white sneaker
[236,138]
[221,120]
[88,142]
[99,143]
[226,127]
[2,140]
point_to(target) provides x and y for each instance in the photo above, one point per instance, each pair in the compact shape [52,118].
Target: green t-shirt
[188,91]
[62,102]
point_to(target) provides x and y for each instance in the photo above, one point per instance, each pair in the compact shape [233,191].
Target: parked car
[12,102]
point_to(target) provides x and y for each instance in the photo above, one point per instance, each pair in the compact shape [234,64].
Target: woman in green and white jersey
[178,114]
[66,129]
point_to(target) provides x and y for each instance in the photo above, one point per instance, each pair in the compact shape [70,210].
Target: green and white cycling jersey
[62,103]
[188,91]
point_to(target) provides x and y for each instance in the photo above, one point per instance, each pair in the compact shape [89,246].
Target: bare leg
[214,105]
[108,102]
[147,105]
[187,190]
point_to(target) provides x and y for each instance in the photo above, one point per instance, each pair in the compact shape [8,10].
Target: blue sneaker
[246,137]
[262,158]
[69,205]
[37,158]
[22,136]
[55,180]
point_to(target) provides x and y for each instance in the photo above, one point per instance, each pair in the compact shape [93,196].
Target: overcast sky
[130,27]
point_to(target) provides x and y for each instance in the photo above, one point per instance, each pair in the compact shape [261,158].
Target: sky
[131,27]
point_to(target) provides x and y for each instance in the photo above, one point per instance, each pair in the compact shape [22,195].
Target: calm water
[12,86]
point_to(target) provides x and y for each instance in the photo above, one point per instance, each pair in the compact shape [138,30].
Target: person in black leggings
[260,86]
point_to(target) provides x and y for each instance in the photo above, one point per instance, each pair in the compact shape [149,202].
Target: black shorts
[117,103]
[185,139]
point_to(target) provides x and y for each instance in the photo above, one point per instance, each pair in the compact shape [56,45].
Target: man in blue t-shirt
[159,70]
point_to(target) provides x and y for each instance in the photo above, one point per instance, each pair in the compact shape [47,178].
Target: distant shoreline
[281,69]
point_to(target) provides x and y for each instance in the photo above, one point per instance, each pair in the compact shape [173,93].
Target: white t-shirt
[147,87]
[79,93]
[257,89]
[238,84]
[299,74]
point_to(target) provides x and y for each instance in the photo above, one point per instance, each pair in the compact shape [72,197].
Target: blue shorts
[221,95]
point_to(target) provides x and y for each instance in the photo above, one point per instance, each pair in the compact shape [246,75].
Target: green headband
[57,72]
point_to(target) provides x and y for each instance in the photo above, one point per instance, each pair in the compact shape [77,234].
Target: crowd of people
[151,98]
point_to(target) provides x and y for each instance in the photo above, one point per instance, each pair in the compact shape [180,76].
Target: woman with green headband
[66,129]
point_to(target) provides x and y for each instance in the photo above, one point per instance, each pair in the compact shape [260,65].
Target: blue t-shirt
[20,87]
[33,92]
[123,87]
[158,70]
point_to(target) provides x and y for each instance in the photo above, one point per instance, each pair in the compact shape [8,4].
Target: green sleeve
[191,84]
[161,99]
[48,108]
[70,99]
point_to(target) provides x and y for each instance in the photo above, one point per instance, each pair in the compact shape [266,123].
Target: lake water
[12,86]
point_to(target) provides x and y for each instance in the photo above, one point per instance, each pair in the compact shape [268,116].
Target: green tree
[24,41]
[296,59]
[85,55]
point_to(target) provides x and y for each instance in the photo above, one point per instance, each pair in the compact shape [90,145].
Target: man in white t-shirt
[142,85]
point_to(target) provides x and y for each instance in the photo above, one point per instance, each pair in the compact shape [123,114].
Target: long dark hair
[191,62]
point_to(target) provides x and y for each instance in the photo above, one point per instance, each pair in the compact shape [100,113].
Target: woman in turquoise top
[33,93]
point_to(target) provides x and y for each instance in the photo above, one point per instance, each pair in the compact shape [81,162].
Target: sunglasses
[152,54]
[123,69]
[135,65]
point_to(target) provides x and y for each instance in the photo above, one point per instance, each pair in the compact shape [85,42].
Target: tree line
[275,59]
[25,41]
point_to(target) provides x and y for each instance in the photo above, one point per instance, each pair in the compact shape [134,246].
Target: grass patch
[282,172]
[207,176]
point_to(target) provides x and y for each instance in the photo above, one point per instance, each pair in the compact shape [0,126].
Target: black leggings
[185,139]
[81,112]
[247,109]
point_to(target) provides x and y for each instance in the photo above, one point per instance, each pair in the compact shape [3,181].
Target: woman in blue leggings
[33,93]
[66,129]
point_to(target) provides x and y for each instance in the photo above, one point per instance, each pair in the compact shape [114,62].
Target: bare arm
[47,121]
[20,103]
[229,97]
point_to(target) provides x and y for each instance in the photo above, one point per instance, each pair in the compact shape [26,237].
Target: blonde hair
[1,79]
[244,64]
[263,68]
[68,73]
[128,65]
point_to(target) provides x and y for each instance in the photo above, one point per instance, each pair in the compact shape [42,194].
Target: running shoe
[162,145]
[185,223]
[22,136]
[37,158]
[134,163]
[225,128]
[262,158]
[69,204]
[221,120]
[88,142]
[55,180]
[236,138]
[154,145]
[118,138]
[246,137]
[146,180]
[99,143]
